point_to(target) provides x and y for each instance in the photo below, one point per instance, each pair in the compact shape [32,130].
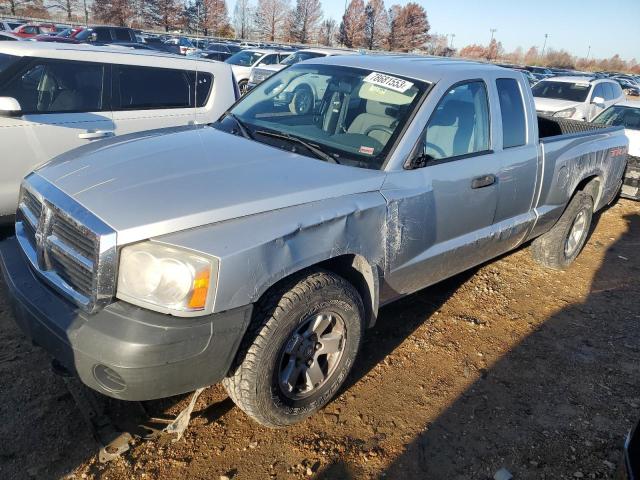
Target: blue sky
[611,26]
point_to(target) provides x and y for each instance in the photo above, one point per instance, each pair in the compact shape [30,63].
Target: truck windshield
[344,115]
[628,117]
[574,92]
[6,61]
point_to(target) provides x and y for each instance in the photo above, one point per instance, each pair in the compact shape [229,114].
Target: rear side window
[598,91]
[52,86]
[514,127]
[148,88]
[617,90]
[122,35]
[102,34]
[460,123]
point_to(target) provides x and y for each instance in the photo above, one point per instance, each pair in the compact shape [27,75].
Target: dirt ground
[507,366]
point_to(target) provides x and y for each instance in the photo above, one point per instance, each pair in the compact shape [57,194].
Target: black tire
[303,100]
[255,381]
[552,249]
[243,86]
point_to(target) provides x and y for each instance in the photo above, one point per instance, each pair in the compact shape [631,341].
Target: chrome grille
[66,244]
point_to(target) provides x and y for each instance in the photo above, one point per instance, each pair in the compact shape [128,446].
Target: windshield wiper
[318,152]
[241,126]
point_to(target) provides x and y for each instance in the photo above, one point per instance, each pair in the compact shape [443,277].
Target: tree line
[369,25]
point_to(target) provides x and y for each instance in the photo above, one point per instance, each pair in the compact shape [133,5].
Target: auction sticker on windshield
[387,81]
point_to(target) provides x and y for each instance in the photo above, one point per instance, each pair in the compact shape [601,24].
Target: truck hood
[149,184]
[554,105]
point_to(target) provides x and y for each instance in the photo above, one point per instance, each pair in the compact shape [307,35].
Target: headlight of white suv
[567,113]
[166,279]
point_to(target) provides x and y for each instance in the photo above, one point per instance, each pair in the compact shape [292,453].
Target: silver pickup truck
[257,250]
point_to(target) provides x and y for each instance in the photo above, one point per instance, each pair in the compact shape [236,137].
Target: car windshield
[65,33]
[244,58]
[575,92]
[6,61]
[628,117]
[83,34]
[300,57]
[339,114]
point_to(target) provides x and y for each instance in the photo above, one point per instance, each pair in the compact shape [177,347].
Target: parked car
[545,72]
[7,36]
[258,250]
[261,73]
[66,35]
[210,55]
[578,98]
[628,87]
[31,30]
[9,25]
[243,61]
[183,43]
[627,115]
[531,78]
[158,44]
[54,98]
[96,35]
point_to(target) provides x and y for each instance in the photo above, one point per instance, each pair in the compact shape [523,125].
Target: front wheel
[303,343]
[560,246]
[243,86]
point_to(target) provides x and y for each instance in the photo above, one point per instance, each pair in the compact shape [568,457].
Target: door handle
[95,135]
[483,181]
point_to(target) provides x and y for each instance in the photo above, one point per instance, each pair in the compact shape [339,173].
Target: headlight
[568,113]
[165,278]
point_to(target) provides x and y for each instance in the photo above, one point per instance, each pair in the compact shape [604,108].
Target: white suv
[243,61]
[56,97]
[577,98]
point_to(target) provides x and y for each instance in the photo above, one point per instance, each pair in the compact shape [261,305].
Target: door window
[122,35]
[49,86]
[598,91]
[103,35]
[514,128]
[460,123]
[148,88]
[269,60]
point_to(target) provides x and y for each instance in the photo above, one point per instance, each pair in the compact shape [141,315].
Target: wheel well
[593,186]
[364,277]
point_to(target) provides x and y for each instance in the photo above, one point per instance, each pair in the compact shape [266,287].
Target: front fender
[257,251]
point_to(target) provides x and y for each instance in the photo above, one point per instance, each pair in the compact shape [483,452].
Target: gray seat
[451,130]
[376,114]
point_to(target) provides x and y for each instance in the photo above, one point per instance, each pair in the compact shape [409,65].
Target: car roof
[263,51]
[579,79]
[329,51]
[420,67]
[83,52]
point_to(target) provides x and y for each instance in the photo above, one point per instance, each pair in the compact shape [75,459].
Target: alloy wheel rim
[311,355]
[576,234]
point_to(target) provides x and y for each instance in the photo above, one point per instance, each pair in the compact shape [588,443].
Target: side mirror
[10,107]
[93,37]
[598,101]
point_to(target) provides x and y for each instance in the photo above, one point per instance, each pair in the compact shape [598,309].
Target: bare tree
[376,26]
[163,13]
[439,45]
[532,56]
[67,6]
[305,20]
[114,12]
[209,17]
[393,41]
[243,18]
[327,32]
[473,51]
[270,19]
[494,50]
[352,26]
[409,27]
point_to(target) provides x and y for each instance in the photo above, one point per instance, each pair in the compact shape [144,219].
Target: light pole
[546,35]
[492,30]
[452,37]
[588,53]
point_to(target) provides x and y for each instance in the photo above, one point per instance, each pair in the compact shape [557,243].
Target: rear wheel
[304,341]
[243,86]
[560,246]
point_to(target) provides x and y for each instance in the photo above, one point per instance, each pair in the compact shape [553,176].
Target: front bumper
[123,351]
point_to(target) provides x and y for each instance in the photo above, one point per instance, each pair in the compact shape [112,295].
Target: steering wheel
[436,148]
[380,128]
[303,101]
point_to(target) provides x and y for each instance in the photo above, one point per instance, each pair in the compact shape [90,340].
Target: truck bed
[552,127]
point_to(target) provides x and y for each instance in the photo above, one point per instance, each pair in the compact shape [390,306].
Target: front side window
[598,91]
[244,58]
[616,116]
[460,123]
[148,88]
[514,127]
[269,60]
[122,35]
[574,92]
[49,86]
[334,113]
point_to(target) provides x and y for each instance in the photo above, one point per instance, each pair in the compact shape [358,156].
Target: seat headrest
[450,111]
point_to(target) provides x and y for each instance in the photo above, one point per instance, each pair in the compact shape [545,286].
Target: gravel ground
[507,366]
